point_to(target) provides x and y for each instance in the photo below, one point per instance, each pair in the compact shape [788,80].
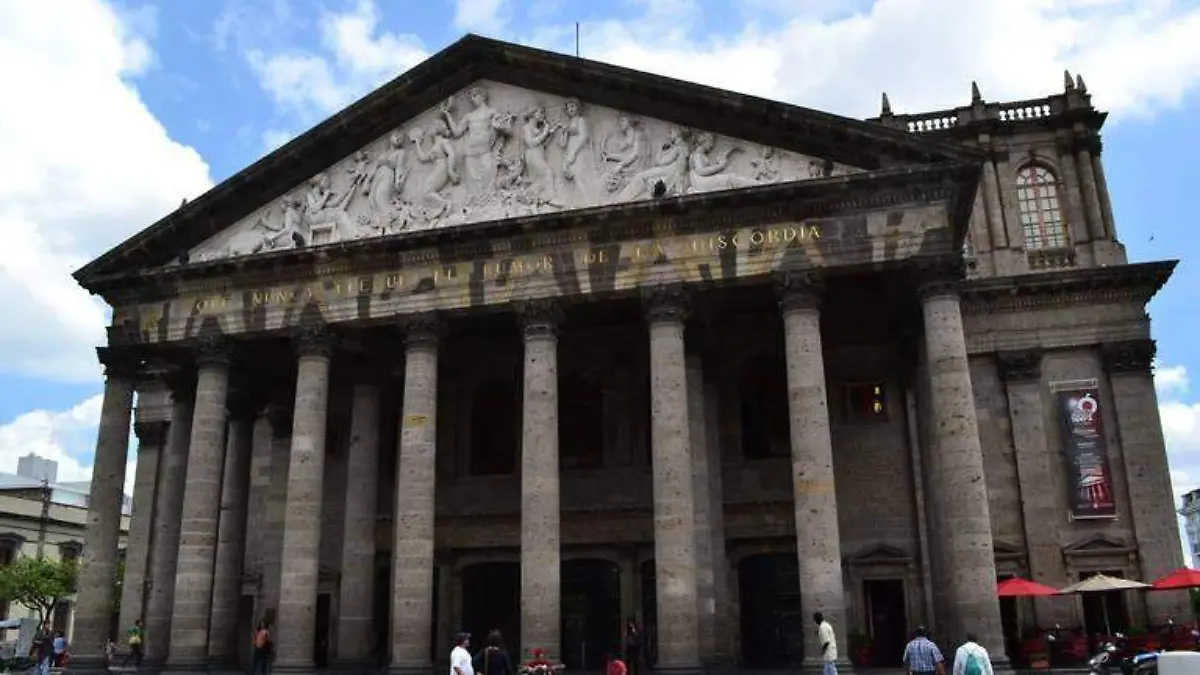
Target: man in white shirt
[828,642]
[972,659]
[460,658]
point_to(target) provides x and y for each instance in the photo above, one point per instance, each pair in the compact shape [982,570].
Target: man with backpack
[972,659]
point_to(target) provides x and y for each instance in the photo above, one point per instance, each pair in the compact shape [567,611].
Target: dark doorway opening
[245,621]
[766,430]
[591,613]
[888,615]
[1096,606]
[321,634]
[495,427]
[649,615]
[772,623]
[1009,620]
[492,601]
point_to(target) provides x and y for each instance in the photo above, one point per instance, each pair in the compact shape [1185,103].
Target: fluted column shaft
[201,512]
[540,542]
[818,543]
[151,437]
[94,601]
[300,563]
[958,489]
[231,536]
[674,505]
[356,602]
[412,555]
[168,503]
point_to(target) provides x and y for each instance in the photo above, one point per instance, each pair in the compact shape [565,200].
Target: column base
[843,666]
[412,669]
[294,668]
[85,665]
[184,667]
[355,667]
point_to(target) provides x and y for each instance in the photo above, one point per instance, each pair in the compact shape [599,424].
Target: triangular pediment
[486,131]
[1098,544]
[879,554]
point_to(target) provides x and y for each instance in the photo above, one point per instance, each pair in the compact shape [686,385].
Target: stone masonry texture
[412,557]
[958,492]
[94,601]
[272,540]
[540,541]
[231,541]
[674,509]
[299,565]
[164,553]
[357,597]
[151,436]
[198,526]
[697,435]
[818,544]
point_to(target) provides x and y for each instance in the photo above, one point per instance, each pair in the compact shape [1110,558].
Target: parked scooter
[1111,657]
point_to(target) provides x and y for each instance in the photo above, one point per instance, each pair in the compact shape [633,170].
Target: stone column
[1041,500]
[231,534]
[256,508]
[1091,198]
[1106,212]
[300,562]
[724,622]
[201,511]
[540,540]
[705,601]
[356,603]
[958,490]
[818,543]
[94,601]
[1129,366]
[412,553]
[674,504]
[279,415]
[168,506]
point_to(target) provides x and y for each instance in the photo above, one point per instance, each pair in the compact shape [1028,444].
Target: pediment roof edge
[868,145]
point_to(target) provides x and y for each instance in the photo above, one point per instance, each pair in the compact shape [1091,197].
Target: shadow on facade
[491,596]
[591,613]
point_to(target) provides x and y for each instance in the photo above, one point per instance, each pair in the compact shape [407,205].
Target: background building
[1190,510]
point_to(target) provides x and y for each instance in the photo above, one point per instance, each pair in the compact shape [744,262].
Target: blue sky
[128,107]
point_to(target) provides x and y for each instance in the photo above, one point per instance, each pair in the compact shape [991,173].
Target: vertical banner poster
[1088,475]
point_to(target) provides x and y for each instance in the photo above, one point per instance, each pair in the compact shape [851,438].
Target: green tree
[38,583]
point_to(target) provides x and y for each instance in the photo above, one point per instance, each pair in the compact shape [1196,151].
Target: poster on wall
[1087,454]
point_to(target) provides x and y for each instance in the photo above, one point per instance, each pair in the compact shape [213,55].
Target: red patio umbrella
[1184,577]
[1017,587]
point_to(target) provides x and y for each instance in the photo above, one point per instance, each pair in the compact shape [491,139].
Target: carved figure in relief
[628,154]
[670,169]
[387,176]
[479,142]
[534,134]
[765,167]
[442,173]
[289,234]
[323,206]
[708,167]
[579,157]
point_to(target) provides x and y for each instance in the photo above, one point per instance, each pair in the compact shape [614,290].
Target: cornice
[1119,283]
[749,207]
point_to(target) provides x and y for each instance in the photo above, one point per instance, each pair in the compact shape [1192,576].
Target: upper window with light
[1041,212]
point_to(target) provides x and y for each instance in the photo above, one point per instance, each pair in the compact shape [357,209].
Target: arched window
[1041,213]
[581,422]
[495,425]
[762,385]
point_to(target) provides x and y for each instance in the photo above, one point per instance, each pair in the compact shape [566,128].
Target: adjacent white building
[1190,510]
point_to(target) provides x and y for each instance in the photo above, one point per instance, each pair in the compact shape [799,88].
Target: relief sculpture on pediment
[496,151]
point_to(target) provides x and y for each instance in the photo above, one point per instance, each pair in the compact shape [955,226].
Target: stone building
[528,342]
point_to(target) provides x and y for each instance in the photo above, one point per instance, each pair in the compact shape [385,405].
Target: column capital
[1020,365]
[939,278]
[1129,356]
[799,291]
[540,318]
[213,349]
[119,362]
[665,303]
[151,433]
[421,329]
[312,339]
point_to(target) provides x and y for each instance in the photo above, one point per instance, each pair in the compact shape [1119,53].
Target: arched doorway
[492,601]
[772,623]
[591,613]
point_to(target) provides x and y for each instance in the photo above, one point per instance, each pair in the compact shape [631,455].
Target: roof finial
[1068,83]
[976,97]
[1080,85]
[886,107]
[183,203]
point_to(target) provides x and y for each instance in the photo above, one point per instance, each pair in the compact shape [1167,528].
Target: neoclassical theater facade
[529,342]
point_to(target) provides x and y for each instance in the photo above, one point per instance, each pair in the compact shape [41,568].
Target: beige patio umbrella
[1102,583]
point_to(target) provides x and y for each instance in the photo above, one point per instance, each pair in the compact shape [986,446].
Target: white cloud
[85,165]
[356,60]
[1171,380]
[481,16]
[68,437]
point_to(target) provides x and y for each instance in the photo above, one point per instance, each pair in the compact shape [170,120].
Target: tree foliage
[38,583]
